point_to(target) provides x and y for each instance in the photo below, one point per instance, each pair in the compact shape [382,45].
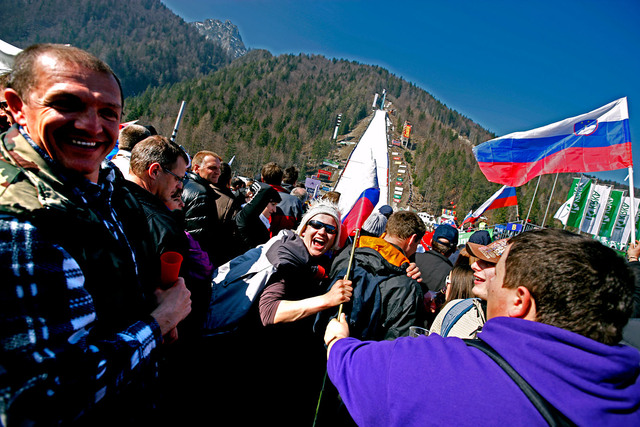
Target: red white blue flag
[596,141]
[506,196]
[361,210]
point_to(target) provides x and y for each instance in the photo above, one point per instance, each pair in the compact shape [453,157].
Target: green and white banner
[622,226]
[595,209]
[582,194]
[611,210]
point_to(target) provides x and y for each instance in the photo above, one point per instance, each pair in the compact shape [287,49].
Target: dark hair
[155,149]
[443,248]
[24,73]
[404,224]
[225,174]
[236,181]
[272,173]
[578,284]
[130,135]
[461,278]
[290,175]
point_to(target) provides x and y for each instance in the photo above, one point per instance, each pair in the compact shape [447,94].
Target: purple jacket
[441,381]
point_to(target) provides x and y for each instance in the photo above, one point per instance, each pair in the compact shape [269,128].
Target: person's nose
[89,122]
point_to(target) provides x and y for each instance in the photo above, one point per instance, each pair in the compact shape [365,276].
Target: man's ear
[412,239]
[154,170]
[522,304]
[15,104]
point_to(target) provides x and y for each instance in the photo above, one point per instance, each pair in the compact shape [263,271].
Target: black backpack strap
[551,415]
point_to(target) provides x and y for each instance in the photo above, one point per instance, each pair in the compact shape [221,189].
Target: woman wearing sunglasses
[292,356]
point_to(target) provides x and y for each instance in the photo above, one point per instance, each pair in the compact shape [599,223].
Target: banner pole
[550,197]
[531,205]
[178,120]
[632,214]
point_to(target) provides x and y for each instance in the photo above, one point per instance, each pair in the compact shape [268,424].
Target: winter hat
[322,206]
[375,224]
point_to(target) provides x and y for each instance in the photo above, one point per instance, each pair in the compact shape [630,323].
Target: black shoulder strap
[548,412]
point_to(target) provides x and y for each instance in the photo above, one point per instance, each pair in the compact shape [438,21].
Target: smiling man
[556,309]
[78,334]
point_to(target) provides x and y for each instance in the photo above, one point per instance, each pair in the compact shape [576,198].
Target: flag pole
[356,239]
[531,205]
[550,197]
[632,207]
[178,120]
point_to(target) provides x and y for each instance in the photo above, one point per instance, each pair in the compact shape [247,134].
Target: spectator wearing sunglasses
[279,330]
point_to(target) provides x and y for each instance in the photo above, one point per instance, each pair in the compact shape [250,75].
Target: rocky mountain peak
[225,33]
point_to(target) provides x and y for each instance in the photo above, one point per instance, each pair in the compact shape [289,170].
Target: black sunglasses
[331,229]
[182,179]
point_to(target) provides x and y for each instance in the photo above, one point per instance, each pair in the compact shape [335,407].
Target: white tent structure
[368,166]
[7,53]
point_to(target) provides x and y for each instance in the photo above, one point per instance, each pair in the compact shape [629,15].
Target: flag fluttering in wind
[505,196]
[7,54]
[596,141]
[361,210]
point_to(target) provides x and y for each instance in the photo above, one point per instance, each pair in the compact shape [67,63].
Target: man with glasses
[158,175]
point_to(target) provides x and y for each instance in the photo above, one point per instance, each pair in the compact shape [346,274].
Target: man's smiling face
[72,113]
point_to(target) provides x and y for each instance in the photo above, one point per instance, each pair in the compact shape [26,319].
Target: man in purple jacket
[556,311]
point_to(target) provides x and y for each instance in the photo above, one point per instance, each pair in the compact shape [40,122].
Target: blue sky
[507,65]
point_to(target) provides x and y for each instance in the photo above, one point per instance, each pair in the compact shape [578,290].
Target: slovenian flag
[506,196]
[361,210]
[592,142]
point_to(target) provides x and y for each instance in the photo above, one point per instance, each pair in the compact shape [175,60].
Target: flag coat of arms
[596,141]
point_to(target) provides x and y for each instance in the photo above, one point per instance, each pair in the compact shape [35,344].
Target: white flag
[565,209]
[7,53]
[622,228]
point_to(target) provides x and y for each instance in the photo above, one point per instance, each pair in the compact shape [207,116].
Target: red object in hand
[170,263]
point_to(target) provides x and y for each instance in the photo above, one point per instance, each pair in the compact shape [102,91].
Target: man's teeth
[84,143]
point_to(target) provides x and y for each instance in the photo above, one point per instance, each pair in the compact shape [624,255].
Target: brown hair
[272,173]
[24,73]
[578,284]
[404,224]
[155,149]
[461,283]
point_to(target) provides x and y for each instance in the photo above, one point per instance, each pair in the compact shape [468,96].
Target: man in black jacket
[386,299]
[435,265]
[158,174]
[200,205]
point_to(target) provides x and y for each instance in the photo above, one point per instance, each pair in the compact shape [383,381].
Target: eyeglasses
[182,179]
[331,229]
[3,104]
